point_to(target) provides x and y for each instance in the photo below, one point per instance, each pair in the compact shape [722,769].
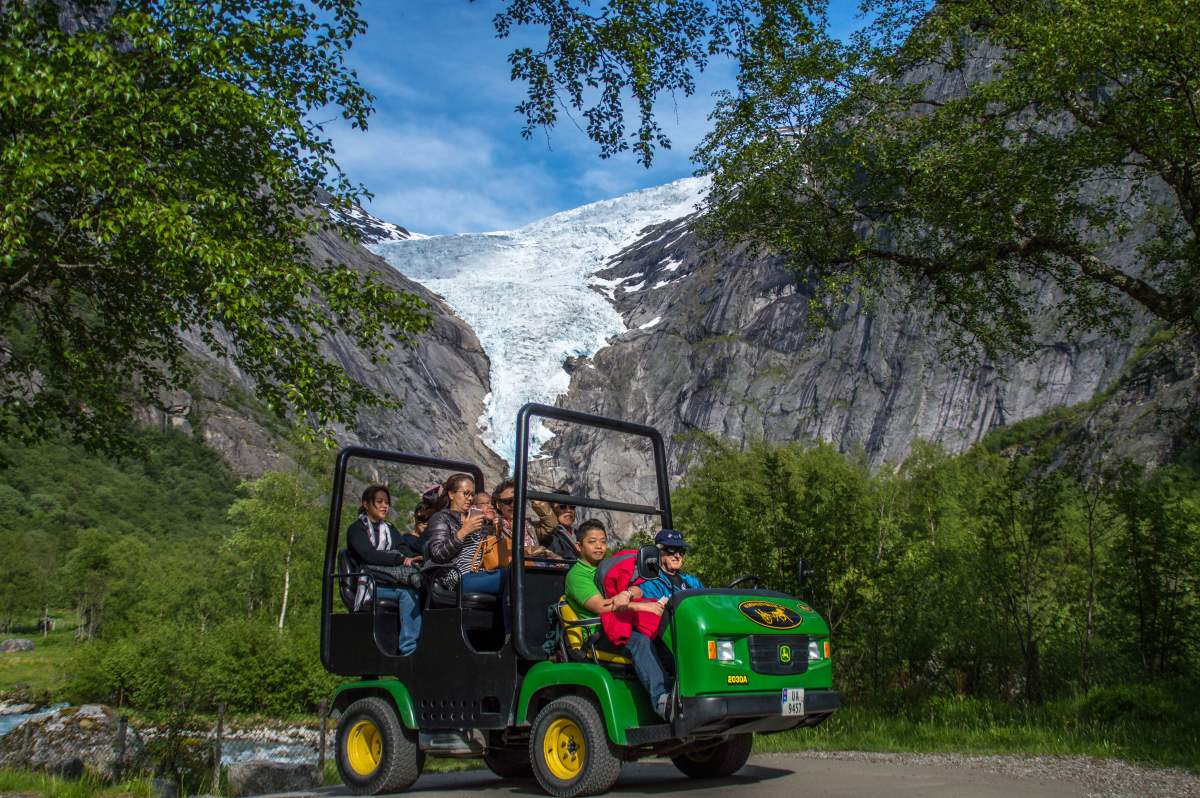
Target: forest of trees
[985,574]
[988,574]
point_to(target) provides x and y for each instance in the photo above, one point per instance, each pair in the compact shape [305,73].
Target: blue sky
[443,152]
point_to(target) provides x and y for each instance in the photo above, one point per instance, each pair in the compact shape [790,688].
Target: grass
[45,669]
[30,783]
[973,726]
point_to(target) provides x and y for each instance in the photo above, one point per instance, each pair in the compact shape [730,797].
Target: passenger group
[463,538]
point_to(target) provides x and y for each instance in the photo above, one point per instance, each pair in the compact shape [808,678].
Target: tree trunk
[287,578]
[1033,671]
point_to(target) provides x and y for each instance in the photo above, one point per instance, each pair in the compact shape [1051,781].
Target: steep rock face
[722,343]
[441,383]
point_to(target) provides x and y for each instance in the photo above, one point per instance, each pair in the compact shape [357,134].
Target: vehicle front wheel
[375,753]
[569,749]
[723,759]
[508,763]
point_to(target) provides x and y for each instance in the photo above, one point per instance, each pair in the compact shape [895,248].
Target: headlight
[720,650]
[814,649]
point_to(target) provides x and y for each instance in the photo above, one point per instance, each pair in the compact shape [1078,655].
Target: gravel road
[864,775]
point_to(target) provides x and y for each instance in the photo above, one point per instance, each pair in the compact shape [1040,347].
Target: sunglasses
[506,502]
[673,551]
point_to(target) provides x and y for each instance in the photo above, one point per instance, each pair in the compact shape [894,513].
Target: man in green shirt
[587,601]
[582,593]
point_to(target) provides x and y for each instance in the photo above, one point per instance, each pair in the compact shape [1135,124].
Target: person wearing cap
[671,578]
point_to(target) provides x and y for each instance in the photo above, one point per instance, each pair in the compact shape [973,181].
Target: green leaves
[985,163]
[979,574]
[160,164]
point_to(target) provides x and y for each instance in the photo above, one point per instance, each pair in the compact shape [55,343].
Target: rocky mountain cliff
[441,382]
[722,343]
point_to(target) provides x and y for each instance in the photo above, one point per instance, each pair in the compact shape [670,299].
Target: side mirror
[647,561]
[804,572]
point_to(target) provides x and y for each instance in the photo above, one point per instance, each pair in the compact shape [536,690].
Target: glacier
[530,294]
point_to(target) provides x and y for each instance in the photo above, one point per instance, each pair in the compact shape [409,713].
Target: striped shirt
[464,563]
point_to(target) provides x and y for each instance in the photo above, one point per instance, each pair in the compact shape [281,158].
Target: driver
[671,578]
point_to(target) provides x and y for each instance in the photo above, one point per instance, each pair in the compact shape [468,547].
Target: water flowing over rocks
[72,742]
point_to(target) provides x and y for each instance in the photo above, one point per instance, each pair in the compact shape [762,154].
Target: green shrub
[1127,702]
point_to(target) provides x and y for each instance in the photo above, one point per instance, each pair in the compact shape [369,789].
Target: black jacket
[441,537]
[360,546]
[562,543]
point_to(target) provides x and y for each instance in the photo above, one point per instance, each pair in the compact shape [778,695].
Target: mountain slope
[441,383]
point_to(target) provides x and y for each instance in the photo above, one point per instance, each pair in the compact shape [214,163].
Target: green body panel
[700,619]
[394,687]
[623,702]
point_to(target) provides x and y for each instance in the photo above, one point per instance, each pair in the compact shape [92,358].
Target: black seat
[442,596]
[349,572]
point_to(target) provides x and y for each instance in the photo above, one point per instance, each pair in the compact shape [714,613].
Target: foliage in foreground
[963,153]
[989,574]
[161,165]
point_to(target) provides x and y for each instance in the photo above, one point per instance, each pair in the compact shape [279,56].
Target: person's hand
[651,607]
[470,525]
[621,600]
[411,560]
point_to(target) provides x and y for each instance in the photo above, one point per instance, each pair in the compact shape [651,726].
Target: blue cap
[670,538]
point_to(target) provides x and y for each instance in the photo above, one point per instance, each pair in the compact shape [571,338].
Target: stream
[296,744]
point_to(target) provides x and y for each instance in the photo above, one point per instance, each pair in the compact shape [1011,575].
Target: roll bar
[520,477]
[332,533]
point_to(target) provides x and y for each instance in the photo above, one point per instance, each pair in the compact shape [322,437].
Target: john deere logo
[770,614]
[785,654]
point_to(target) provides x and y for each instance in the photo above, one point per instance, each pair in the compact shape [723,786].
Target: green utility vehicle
[746,660]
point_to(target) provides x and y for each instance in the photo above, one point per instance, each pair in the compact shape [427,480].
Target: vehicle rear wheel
[569,749]
[375,753]
[723,759]
[509,763]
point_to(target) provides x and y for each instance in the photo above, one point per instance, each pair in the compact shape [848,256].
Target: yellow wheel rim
[566,751]
[364,747]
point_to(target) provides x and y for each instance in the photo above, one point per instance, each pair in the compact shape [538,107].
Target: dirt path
[842,775]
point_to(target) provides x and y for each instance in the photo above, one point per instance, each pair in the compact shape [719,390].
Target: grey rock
[441,383]
[16,644]
[737,355]
[260,777]
[164,788]
[72,741]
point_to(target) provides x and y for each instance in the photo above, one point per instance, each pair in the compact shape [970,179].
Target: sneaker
[662,706]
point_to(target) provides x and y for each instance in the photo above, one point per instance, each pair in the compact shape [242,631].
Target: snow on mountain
[372,229]
[530,296]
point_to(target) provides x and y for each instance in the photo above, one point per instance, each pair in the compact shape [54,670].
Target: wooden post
[45,621]
[324,709]
[216,771]
[119,747]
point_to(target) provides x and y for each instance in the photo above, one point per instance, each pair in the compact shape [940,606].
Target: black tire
[375,753]
[569,749]
[509,763]
[723,759]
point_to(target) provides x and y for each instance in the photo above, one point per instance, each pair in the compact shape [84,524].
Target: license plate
[793,701]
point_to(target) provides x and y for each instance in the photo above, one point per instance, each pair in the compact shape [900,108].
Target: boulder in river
[259,777]
[73,741]
[15,644]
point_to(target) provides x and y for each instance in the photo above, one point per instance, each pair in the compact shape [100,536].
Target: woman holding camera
[453,538]
[373,541]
